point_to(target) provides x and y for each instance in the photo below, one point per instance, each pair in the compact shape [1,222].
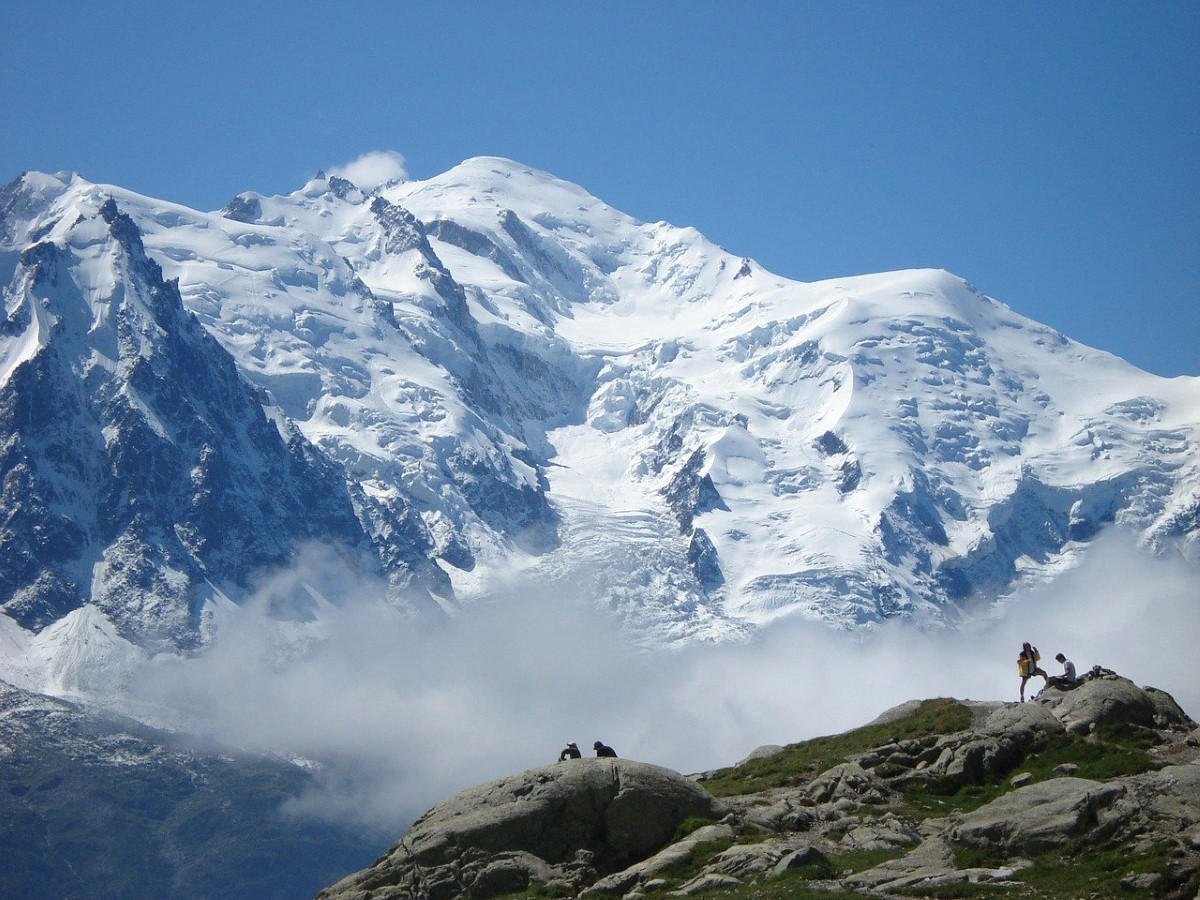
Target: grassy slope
[1077,870]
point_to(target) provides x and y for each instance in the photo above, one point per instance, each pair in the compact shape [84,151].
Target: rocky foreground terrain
[1093,792]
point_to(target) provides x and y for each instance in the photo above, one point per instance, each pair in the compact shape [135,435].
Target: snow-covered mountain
[449,381]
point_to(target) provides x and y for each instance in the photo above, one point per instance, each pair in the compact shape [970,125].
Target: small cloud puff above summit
[369,171]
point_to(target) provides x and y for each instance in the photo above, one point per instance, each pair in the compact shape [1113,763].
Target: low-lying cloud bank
[402,716]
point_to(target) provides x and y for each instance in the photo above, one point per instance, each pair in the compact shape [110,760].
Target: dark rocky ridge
[155,461]
[102,807]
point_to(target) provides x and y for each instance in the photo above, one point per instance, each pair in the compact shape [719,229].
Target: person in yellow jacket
[1027,665]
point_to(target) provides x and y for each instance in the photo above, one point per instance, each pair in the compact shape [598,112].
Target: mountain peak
[493,368]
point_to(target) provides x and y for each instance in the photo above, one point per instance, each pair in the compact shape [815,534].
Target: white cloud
[404,716]
[373,169]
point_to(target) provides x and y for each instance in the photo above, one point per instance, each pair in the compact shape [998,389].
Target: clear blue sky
[1047,152]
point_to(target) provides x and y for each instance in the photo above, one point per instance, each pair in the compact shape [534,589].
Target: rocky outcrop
[949,762]
[604,828]
[154,474]
[1112,700]
[568,823]
[1038,817]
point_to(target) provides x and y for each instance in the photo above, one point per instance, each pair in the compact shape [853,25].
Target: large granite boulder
[1114,700]
[1039,817]
[570,822]
[1165,803]
[1157,806]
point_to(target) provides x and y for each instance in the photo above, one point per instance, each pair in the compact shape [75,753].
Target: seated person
[1067,679]
[570,752]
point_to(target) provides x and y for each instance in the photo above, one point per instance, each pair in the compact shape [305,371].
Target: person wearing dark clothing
[570,752]
[604,750]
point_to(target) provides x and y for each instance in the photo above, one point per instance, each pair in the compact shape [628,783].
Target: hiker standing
[1027,665]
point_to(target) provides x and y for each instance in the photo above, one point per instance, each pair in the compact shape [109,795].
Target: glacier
[492,373]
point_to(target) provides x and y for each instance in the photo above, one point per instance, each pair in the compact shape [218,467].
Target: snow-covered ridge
[504,373]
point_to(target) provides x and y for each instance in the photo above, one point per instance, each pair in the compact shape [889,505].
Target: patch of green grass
[1075,871]
[699,856]
[539,891]
[794,885]
[861,860]
[1128,735]
[1098,760]
[1078,870]
[919,802]
[1084,872]
[690,824]
[970,858]
[967,889]
[800,762]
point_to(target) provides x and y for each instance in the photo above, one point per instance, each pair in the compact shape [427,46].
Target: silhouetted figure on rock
[603,749]
[571,751]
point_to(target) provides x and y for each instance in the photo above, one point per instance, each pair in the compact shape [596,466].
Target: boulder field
[1100,783]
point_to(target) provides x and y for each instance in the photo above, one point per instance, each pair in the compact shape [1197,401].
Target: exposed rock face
[1113,700]
[1042,816]
[570,822]
[1036,818]
[603,828]
[1001,741]
[155,473]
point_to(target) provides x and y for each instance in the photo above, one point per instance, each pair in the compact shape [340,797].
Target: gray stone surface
[475,845]
[885,833]
[1113,700]
[932,858]
[1037,817]
[763,752]
[643,872]
[1004,737]
[572,821]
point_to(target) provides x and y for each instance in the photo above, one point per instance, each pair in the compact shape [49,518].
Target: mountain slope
[142,472]
[853,448]
[501,373]
[101,807]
